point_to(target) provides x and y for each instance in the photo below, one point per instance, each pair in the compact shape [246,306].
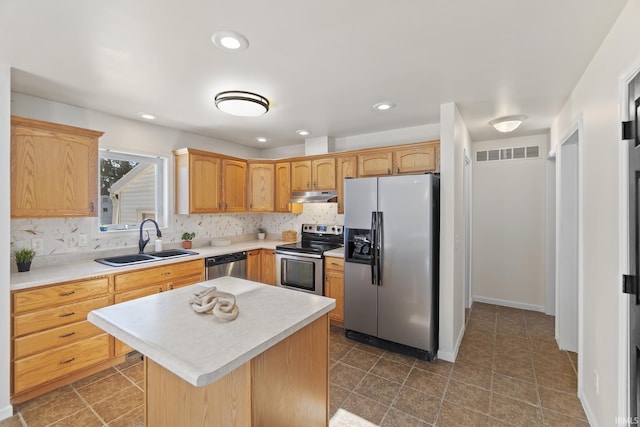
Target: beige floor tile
[400,358]
[564,403]
[84,418]
[440,367]
[104,388]
[483,315]
[337,395]
[393,371]
[427,382]
[95,377]
[346,376]
[125,401]
[479,336]
[515,389]
[481,325]
[134,418]
[454,415]
[517,368]
[51,407]
[363,407]
[338,350]
[515,411]
[379,389]
[554,419]
[472,375]
[478,358]
[495,422]
[468,396]
[11,422]
[566,383]
[395,418]
[135,373]
[481,306]
[360,359]
[337,335]
[420,405]
[369,349]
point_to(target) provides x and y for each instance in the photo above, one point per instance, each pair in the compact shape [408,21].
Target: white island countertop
[200,348]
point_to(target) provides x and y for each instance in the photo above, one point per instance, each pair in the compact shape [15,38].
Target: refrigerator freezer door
[359,202]
[405,298]
[360,299]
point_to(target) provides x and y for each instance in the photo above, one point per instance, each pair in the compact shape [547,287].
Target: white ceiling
[322,64]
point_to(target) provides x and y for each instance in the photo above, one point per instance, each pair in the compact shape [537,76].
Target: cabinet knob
[225,206]
[389,171]
[308,184]
[315,184]
[171,286]
[160,289]
[91,207]
[398,169]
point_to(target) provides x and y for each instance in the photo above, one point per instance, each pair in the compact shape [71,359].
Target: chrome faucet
[142,242]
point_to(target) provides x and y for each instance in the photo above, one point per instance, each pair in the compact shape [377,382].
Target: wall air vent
[511,153]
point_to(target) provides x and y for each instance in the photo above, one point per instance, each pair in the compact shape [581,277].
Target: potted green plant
[23,258]
[186,239]
[261,233]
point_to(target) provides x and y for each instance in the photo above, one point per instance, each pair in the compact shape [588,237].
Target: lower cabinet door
[50,365]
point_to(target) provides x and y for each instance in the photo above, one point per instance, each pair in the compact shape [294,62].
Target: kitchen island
[269,366]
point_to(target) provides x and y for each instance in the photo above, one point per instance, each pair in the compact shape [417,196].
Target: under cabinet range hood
[313,197]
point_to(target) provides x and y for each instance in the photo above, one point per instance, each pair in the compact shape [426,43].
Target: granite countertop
[86,269]
[200,348]
[335,253]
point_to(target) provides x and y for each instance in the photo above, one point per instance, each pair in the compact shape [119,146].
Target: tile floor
[508,372]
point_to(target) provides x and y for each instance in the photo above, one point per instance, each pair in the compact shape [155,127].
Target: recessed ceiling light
[262,139]
[230,40]
[303,132]
[508,123]
[239,103]
[147,116]
[383,106]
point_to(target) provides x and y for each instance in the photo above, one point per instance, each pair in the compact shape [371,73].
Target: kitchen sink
[118,261]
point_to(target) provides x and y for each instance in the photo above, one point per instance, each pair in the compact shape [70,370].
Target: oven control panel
[322,229]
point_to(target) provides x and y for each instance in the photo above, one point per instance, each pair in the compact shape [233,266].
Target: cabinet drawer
[41,341]
[138,293]
[60,294]
[187,281]
[41,368]
[163,274]
[56,316]
[332,263]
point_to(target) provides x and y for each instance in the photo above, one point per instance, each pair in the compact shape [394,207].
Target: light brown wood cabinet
[253,265]
[415,159]
[334,288]
[54,170]
[313,175]
[262,186]
[375,163]
[209,183]
[51,337]
[406,159]
[346,167]
[283,189]
[153,280]
[268,266]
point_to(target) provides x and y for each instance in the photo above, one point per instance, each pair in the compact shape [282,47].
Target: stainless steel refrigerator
[391,262]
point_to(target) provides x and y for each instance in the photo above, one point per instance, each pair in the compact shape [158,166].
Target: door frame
[467,204]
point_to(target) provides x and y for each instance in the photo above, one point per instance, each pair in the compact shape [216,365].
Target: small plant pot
[261,236]
[24,266]
[187,244]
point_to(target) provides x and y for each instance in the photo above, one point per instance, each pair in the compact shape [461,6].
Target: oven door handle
[299,254]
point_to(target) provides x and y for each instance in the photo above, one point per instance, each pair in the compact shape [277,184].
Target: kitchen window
[132,189]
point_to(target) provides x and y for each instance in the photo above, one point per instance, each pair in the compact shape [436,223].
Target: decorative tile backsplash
[61,236]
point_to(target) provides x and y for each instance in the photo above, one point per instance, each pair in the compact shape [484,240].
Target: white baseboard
[507,303]
[6,412]
[587,410]
[450,356]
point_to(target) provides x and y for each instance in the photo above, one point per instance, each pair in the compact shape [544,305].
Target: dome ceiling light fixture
[507,123]
[147,116]
[303,132]
[229,40]
[262,139]
[243,104]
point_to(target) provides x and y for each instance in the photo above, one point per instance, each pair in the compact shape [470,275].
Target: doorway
[568,254]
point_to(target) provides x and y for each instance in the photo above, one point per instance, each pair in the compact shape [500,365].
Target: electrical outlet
[37,245]
[82,240]
[596,382]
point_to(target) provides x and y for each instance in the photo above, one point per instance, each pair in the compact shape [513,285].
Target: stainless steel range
[300,265]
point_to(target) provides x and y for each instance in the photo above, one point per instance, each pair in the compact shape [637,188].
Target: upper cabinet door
[261,187]
[54,170]
[324,174]
[416,159]
[234,185]
[205,191]
[375,164]
[301,176]
[346,167]
[283,186]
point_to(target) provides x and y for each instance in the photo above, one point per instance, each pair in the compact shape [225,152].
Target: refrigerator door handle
[380,247]
[374,226]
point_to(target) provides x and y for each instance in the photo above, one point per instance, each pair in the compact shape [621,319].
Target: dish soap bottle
[158,245]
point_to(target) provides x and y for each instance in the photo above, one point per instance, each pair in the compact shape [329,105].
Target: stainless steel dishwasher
[234,265]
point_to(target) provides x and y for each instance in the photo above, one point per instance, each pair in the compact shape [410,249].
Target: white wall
[5,224]
[509,227]
[596,99]
[454,139]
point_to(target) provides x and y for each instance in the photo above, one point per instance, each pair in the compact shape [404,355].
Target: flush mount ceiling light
[508,123]
[244,104]
[147,116]
[262,139]
[303,132]
[384,106]
[229,40]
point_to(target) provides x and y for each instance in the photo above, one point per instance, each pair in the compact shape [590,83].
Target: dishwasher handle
[225,259]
